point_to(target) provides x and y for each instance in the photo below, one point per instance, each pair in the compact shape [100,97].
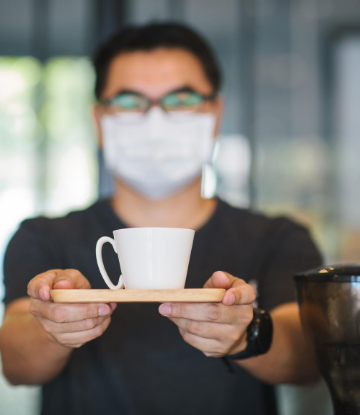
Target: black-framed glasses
[180,101]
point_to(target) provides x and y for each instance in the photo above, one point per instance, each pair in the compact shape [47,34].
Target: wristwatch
[259,336]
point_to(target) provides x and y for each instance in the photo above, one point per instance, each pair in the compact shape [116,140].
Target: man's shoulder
[68,222]
[255,224]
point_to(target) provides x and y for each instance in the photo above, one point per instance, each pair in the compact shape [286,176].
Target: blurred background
[290,138]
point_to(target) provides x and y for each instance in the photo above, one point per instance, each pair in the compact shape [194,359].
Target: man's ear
[218,111]
[97,115]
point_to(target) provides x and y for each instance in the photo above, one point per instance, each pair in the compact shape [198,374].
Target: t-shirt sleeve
[29,252]
[290,251]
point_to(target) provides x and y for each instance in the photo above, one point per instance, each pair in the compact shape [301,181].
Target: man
[158,113]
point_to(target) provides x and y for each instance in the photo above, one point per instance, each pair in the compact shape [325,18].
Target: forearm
[290,359]
[29,354]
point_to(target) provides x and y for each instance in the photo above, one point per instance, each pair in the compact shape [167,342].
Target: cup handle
[100,263]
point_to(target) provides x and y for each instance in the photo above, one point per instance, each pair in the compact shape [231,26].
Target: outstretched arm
[220,329]
[38,336]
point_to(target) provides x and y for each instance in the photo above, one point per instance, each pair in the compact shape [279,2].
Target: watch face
[265,332]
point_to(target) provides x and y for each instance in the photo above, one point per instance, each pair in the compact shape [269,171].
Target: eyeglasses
[181,101]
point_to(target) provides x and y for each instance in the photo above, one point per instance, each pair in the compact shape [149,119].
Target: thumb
[39,287]
[63,284]
[70,279]
[220,279]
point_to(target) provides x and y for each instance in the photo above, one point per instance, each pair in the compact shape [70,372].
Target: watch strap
[259,336]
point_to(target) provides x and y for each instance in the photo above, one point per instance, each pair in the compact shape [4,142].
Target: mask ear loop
[209,177]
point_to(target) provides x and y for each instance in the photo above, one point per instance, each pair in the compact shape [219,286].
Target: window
[47,141]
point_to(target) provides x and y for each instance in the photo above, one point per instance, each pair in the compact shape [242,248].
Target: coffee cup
[150,258]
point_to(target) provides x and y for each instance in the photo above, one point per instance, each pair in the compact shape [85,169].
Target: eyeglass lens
[172,103]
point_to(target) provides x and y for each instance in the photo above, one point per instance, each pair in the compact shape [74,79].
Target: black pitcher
[329,300]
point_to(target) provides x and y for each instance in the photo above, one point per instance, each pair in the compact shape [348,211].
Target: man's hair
[152,36]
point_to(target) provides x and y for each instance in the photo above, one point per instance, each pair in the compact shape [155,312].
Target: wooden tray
[189,295]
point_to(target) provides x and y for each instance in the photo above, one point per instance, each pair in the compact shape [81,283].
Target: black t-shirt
[141,365]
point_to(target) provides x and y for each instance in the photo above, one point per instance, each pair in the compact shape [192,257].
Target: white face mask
[157,155]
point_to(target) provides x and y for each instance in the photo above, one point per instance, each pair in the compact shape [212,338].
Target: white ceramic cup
[150,258]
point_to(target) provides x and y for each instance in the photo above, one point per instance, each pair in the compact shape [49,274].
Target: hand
[70,325]
[216,329]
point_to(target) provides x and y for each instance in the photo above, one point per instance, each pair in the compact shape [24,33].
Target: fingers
[73,327]
[238,292]
[70,325]
[215,328]
[77,339]
[70,277]
[215,339]
[226,334]
[211,312]
[210,347]
[39,287]
[68,313]
[220,279]
[201,328]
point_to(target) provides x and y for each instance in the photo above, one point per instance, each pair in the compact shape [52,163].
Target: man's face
[156,73]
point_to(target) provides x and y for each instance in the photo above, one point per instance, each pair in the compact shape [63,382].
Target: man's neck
[184,210]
